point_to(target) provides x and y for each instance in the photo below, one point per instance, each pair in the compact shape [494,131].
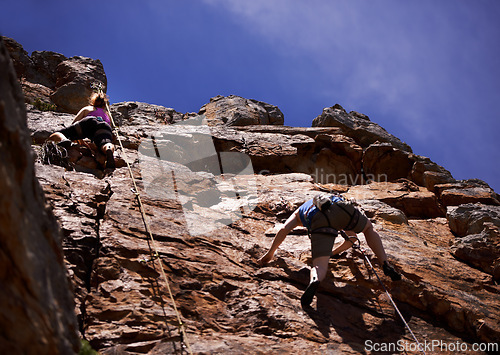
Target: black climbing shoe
[110,160]
[391,272]
[338,256]
[309,293]
[66,143]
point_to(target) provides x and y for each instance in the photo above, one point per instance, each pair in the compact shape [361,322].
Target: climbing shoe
[338,256]
[309,293]
[391,272]
[110,160]
[66,143]
[53,153]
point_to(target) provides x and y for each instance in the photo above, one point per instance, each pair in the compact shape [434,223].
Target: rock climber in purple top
[91,122]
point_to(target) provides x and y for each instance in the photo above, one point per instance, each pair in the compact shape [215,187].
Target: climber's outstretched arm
[346,244]
[292,222]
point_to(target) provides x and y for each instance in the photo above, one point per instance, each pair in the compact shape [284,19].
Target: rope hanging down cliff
[155,254]
[358,247]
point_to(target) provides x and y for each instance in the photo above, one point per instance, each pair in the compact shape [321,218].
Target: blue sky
[426,70]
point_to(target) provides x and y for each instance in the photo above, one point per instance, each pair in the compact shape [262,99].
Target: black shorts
[93,128]
[322,244]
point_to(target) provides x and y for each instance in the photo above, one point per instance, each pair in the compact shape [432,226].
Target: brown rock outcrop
[74,79]
[140,113]
[414,201]
[226,302]
[385,163]
[20,58]
[468,191]
[36,305]
[470,218]
[477,230]
[357,126]
[37,72]
[54,79]
[39,68]
[455,197]
[237,111]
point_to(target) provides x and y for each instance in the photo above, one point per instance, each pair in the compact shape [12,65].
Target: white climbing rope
[419,345]
[155,255]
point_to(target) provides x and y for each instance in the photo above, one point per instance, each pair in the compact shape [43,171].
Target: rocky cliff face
[211,219]
[36,303]
[49,78]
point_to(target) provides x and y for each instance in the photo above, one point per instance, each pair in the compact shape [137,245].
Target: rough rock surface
[52,78]
[463,192]
[238,111]
[74,79]
[357,126]
[227,303]
[477,230]
[36,302]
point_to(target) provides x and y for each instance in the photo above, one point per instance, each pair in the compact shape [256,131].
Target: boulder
[428,174]
[357,126]
[467,191]
[139,113]
[74,79]
[52,78]
[237,111]
[378,209]
[470,218]
[36,312]
[455,197]
[45,65]
[21,60]
[432,178]
[481,250]
[43,123]
[412,200]
[477,236]
[38,95]
[337,159]
[383,162]
[477,230]
[37,72]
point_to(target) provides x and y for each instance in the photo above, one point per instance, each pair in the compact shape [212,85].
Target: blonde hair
[98,99]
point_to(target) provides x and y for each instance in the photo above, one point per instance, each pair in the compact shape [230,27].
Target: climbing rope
[154,254]
[358,247]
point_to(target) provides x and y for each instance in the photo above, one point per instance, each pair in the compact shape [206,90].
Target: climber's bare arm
[82,113]
[292,222]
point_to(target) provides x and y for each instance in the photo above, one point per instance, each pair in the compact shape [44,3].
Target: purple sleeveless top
[99,112]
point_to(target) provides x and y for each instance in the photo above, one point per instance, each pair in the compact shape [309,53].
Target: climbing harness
[330,205]
[154,251]
[358,247]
